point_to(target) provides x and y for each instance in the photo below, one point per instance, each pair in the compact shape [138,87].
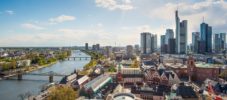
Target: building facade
[181,35]
[206,37]
[148,43]
[195,41]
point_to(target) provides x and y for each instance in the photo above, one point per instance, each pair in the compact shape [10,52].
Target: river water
[11,89]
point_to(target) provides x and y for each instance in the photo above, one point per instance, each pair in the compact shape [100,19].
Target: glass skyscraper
[206,37]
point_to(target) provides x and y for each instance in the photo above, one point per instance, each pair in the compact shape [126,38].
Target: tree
[62,93]
[14,64]
[135,64]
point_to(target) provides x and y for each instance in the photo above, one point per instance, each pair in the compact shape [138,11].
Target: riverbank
[96,57]
[28,69]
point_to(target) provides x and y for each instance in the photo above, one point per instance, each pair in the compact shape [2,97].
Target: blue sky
[74,22]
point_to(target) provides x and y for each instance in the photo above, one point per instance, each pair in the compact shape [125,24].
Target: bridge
[51,75]
[80,58]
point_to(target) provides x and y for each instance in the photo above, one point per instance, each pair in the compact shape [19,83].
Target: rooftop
[206,65]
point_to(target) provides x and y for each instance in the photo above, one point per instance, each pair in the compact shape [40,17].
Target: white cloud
[100,25]
[61,19]
[10,12]
[214,11]
[31,26]
[123,5]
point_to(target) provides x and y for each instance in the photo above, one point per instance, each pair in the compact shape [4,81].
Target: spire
[203,19]
[177,5]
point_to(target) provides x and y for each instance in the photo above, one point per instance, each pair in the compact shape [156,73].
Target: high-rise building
[129,51]
[137,49]
[206,37]
[195,41]
[223,40]
[171,46]
[169,35]
[163,45]
[148,43]
[98,46]
[219,42]
[177,31]
[86,46]
[155,42]
[145,43]
[181,35]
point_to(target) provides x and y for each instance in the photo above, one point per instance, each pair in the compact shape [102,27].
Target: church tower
[191,68]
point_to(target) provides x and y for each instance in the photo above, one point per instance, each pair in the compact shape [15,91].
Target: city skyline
[74,22]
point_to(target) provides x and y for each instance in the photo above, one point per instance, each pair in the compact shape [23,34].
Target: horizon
[53,23]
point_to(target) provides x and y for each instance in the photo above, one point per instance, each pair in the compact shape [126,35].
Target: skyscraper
[145,43]
[181,35]
[148,43]
[86,46]
[195,41]
[155,42]
[129,51]
[163,49]
[223,40]
[171,46]
[177,31]
[169,35]
[219,42]
[206,37]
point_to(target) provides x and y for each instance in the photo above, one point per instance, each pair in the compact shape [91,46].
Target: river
[11,89]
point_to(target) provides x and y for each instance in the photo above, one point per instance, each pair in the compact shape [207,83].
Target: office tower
[216,42]
[168,46]
[195,41]
[171,45]
[177,31]
[206,37]
[181,35]
[93,47]
[97,46]
[169,35]
[145,43]
[148,43]
[129,51]
[163,45]
[155,43]
[86,46]
[223,40]
[108,51]
[137,49]
[219,42]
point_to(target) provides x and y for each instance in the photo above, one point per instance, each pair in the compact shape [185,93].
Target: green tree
[62,93]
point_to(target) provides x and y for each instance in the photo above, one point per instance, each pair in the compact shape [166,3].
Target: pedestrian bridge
[78,58]
[50,74]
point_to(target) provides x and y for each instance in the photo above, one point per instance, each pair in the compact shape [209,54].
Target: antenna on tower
[203,19]
[177,5]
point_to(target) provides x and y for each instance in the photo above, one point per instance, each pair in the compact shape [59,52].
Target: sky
[107,22]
